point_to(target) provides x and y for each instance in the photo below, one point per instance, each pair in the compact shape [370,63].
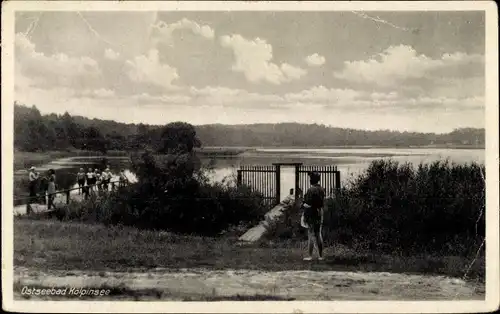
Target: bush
[435,207]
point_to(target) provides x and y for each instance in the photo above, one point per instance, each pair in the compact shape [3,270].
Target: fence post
[67,197]
[277,171]
[337,180]
[297,177]
[239,178]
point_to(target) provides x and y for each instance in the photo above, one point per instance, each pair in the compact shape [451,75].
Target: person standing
[32,186]
[98,179]
[312,216]
[104,179]
[90,180]
[123,178]
[51,189]
[109,175]
[80,178]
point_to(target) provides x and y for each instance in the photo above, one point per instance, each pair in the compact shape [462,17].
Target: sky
[406,71]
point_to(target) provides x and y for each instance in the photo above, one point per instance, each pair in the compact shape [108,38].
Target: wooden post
[337,180]
[297,176]
[239,178]
[67,196]
[277,171]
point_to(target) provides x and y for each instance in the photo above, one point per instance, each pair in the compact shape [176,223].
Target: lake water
[350,161]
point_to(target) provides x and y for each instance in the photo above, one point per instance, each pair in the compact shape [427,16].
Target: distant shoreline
[23,160]
[248,148]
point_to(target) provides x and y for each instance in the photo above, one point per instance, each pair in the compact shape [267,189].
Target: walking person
[80,178]
[312,216]
[51,189]
[32,187]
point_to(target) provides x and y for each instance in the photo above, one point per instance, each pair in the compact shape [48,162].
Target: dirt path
[198,284]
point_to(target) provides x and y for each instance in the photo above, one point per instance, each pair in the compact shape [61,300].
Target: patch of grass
[54,245]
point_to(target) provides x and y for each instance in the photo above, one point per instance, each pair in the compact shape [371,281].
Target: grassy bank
[220,152]
[53,245]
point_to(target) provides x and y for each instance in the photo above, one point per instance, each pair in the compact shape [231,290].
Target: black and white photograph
[303,156]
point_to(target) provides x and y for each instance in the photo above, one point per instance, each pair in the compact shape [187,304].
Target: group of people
[45,184]
[95,180]
[88,182]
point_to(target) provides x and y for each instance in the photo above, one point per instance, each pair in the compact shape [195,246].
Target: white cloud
[333,98]
[292,72]
[387,96]
[223,96]
[253,59]
[58,69]
[457,87]
[146,98]
[315,60]
[111,54]
[148,69]
[323,94]
[398,63]
[165,31]
[98,93]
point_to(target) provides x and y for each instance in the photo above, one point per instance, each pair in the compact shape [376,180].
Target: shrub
[428,208]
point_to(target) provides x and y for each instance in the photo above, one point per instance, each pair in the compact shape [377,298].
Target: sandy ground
[167,284]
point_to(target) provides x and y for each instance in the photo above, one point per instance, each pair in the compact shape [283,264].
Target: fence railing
[263,179]
[267,179]
[329,178]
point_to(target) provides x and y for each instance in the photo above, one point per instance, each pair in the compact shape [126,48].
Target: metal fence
[263,179]
[267,179]
[329,178]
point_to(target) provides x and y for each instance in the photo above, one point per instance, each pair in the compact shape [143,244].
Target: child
[312,217]
[51,190]
[123,178]
[90,180]
[98,179]
[80,178]
[106,178]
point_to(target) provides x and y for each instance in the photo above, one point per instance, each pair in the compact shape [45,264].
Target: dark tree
[178,137]
[94,140]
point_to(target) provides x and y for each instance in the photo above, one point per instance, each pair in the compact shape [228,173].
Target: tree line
[36,132]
